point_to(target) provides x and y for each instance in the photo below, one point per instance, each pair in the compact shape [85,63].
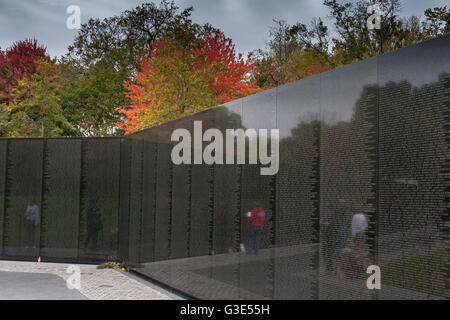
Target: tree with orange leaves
[190,70]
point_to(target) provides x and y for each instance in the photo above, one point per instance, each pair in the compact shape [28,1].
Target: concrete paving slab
[35,286]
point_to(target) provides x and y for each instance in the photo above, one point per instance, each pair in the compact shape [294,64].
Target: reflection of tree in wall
[413,151]
[346,170]
[226,119]
[414,155]
[410,118]
[348,154]
[297,185]
[226,205]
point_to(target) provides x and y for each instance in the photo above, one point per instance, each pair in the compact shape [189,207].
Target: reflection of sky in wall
[342,88]
[245,21]
[413,69]
[297,102]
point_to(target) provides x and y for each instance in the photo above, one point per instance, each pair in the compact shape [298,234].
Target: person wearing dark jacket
[330,228]
[256,218]
[93,224]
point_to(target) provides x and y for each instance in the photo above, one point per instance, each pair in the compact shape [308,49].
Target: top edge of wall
[60,138]
[240,100]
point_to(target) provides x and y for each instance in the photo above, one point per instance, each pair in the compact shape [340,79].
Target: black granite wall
[368,142]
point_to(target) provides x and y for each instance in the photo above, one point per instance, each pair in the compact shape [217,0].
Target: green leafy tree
[356,42]
[35,108]
[104,54]
[301,50]
[274,63]
[353,36]
[118,40]
[293,52]
[438,20]
[192,70]
[91,96]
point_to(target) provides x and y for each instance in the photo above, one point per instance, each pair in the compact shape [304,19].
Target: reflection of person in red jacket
[256,218]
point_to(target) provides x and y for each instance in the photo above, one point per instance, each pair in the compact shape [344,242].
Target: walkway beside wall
[47,281]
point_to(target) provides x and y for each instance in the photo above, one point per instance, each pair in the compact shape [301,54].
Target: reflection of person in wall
[113,239]
[31,222]
[222,225]
[256,218]
[93,224]
[344,224]
[359,226]
[352,260]
[442,217]
[329,224]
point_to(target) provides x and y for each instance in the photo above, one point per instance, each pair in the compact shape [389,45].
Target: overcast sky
[245,21]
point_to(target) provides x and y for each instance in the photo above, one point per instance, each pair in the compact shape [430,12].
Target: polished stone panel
[99,208]
[24,185]
[61,199]
[348,133]
[414,158]
[297,190]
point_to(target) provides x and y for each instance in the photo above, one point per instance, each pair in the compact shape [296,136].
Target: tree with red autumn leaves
[185,74]
[234,80]
[17,62]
